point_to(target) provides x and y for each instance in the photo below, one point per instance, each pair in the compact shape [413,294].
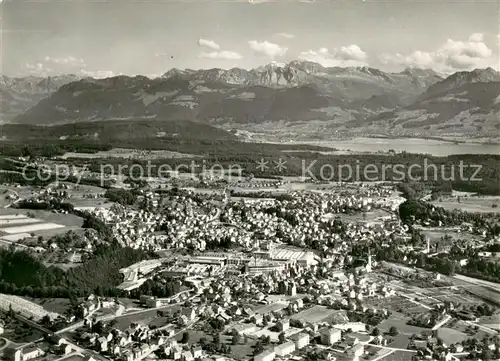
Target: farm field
[24,307]
[68,220]
[129,154]
[475,204]
[17,224]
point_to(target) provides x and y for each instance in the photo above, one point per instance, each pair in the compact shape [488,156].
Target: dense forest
[121,196]
[417,211]
[23,274]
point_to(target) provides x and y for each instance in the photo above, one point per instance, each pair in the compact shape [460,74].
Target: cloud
[222,55]
[38,69]
[351,55]
[452,56]
[286,35]
[476,37]
[208,44]
[258,1]
[98,73]
[70,60]
[267,49]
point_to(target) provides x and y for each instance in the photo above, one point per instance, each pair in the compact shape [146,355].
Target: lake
[410,145]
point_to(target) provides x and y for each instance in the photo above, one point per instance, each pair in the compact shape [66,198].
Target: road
[484,328]
[68,356]
[442,323]
[477,281]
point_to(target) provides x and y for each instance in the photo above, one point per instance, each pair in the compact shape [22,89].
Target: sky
[112,37]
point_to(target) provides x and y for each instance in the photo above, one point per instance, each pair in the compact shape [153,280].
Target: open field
[435,234]
[404,331]
[129,154]
[24,307]
[369,216]
[56,305]
[474,204]
[20,191]
[16,224]
[462,328]
[68,220]
[450,335]
[146,317]
[318,314]
[397,304]
[271,308]
[31,228]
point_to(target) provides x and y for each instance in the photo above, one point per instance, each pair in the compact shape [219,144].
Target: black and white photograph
[249,180]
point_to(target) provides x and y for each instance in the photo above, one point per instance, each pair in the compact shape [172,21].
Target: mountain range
[302,98]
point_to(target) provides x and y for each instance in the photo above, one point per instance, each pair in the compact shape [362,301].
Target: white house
[329,336]
[285,348]
[267,355]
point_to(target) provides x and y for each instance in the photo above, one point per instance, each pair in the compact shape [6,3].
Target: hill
[298,91]
[298,99]
[468,108]
[20,94]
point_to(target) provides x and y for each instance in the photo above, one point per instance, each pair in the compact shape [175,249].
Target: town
[252,268]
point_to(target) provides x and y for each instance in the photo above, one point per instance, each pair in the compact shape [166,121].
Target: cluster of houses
[299,221]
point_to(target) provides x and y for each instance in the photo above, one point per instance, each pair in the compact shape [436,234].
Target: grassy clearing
[404,331]
[57,305]
[69,220]
[147,317]
[473,204]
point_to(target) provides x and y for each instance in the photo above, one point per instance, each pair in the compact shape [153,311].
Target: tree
[98,327]
[236,339]
[185,337]
[112,323]
[216,339]
[393,331]
[375,332]
[259,348]
[281,337]
[45,320]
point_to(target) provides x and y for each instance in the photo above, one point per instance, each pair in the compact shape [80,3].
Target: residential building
[285,348]
[300,339]
[283,325]
[330,336]
[267,355]
[102,344]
